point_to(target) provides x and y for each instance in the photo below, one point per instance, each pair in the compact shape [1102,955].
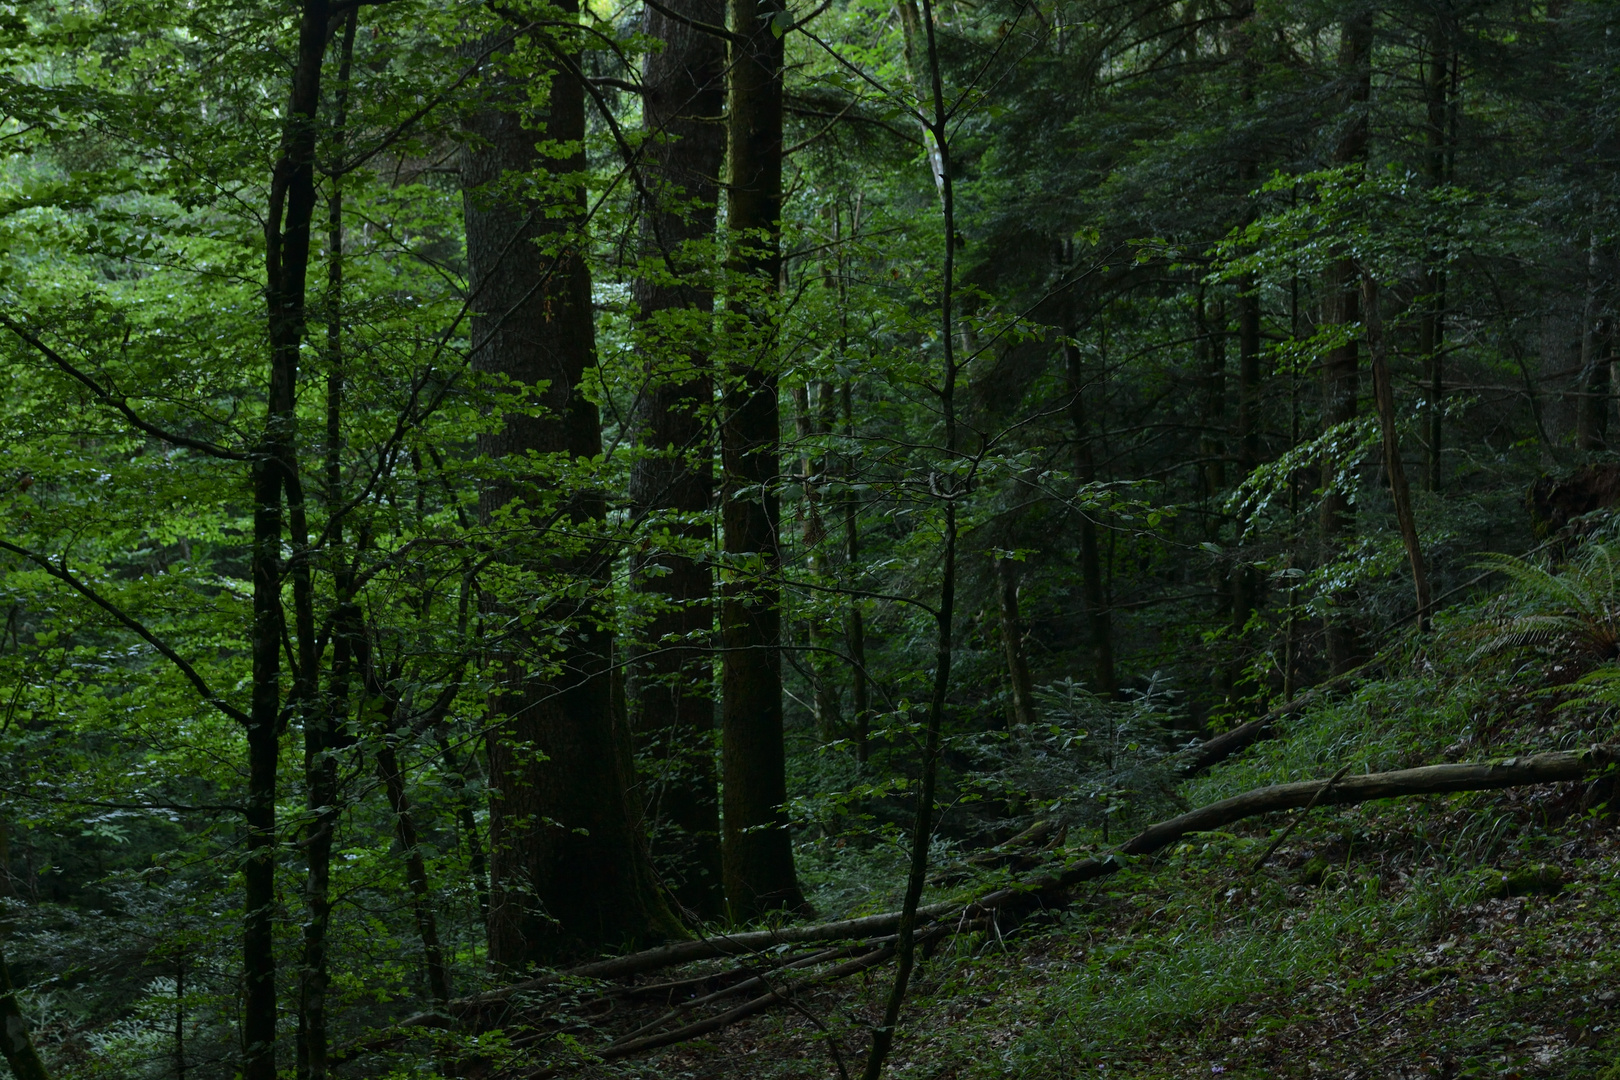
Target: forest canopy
[502,497]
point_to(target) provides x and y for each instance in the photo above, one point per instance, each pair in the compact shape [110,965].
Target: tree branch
[119,404]
[63,574]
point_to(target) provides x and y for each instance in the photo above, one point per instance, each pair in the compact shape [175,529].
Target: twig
[1294,824]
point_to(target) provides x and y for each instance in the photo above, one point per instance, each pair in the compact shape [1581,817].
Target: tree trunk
[427,925]
[568,871]
[15,1042]
[16,1045]
[811,420]
[758,855]
[672,707]
[1431,324]
[914,40]
[1595,387]
[1210,355]
[275,472]
[1091,582]
[1384,396]
[1592,414]
[1023,690]
[1341,368]
[922,829]
[1245,579]
[325,717]
[466,817]
[855,626]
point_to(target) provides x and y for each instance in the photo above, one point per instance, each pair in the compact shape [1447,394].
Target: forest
[704,538]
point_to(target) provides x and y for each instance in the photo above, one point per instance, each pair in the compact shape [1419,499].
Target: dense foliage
[1108,374]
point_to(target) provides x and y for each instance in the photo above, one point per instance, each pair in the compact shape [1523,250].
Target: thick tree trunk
[568,870]
[1384,397]
[672,691]
[1341,293]
[1098,620]
[1012,644]
[16,1044]
[758,855]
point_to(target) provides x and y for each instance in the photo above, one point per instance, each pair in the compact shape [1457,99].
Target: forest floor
[1469,935]
[1359,951]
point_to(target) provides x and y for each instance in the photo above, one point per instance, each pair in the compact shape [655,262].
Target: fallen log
[685,952]
[1520,771]
[1425,780]
[1213,751]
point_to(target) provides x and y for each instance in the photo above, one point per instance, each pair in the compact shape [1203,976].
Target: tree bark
[1341,368]
[1384,396]
[274,473]
[757,851]
[1091,583]
[672,479]
[1023,690]
[569,873]
[325,716]
[15,1041]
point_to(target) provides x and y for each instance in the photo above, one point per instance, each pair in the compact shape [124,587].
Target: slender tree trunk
[1098,620]
[922,829]
[427,924]
[1595,377]
[1592,415]
[1245,579]
[1023,690]
[324,717]
[1210,350]
[1384,396]
[274,473]
[1431,323]
[758,855]
[1341,293]
[569,873]
[466,817]
[812,419]
[855,626]
[672,481]
[914,40]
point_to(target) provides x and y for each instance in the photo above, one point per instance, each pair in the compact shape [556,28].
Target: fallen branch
[628,1047]
[1213,751]
[1339,790]
[1425,780]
